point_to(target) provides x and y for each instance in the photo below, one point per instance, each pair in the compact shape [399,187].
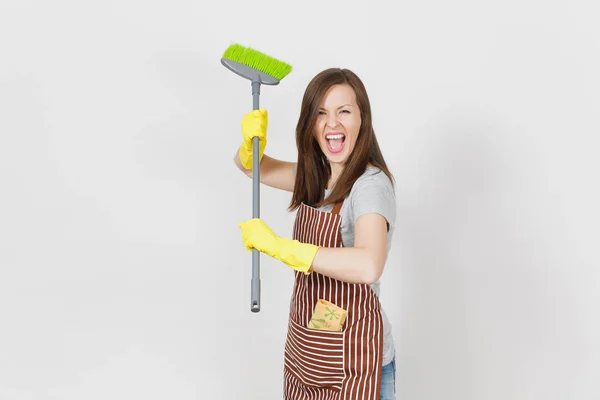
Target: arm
[373,204]
[373,208]
[273,172]
[362,263]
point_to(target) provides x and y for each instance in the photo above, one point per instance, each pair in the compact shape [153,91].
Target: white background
[123,274]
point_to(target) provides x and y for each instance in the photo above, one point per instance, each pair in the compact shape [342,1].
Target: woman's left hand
[256,234]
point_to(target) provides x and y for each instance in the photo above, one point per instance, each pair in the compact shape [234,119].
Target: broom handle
[255,285]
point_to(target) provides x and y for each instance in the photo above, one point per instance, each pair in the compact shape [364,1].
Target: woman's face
[338,123]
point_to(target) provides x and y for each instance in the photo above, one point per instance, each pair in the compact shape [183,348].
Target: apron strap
[337,207]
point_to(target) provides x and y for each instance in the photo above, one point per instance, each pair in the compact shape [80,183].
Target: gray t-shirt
[371,193]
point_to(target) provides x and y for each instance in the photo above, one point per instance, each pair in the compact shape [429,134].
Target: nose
[332,120]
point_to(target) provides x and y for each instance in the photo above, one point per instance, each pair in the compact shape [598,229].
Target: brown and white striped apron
[328,365]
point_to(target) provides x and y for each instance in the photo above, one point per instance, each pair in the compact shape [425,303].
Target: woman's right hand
[254,124]
[273,172]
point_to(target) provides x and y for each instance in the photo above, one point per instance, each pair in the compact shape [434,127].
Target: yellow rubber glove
[299,256]
[254,124]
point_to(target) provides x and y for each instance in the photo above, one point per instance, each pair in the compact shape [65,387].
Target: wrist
[296,254]
[246,151]
[245,157]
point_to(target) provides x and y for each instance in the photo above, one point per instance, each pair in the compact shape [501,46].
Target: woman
[344,197]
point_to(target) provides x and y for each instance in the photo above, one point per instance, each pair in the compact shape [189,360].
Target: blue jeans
[388,381]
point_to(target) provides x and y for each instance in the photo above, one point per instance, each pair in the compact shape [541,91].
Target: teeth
[339,136]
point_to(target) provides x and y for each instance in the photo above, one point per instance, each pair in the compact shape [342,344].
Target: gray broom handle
[255,290]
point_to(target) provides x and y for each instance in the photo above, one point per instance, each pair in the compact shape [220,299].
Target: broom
[260,69]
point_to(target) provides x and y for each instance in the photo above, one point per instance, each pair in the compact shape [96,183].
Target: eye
[321,112]
[346,111]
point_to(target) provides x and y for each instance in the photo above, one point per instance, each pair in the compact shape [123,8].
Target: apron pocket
[315,358]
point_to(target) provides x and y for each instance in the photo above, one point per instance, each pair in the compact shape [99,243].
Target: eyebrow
[343,105]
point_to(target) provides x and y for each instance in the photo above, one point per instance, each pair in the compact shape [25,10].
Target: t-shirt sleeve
[374,194]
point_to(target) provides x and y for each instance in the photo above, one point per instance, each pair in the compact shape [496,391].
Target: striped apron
[328,365]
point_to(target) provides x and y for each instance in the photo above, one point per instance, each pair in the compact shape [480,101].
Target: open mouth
[335,141]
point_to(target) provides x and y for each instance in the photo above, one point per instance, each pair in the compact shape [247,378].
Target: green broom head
[243,60]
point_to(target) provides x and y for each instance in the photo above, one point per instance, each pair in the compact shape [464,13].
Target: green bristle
[257,60]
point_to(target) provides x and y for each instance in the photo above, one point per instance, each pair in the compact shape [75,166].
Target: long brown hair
[313,170]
